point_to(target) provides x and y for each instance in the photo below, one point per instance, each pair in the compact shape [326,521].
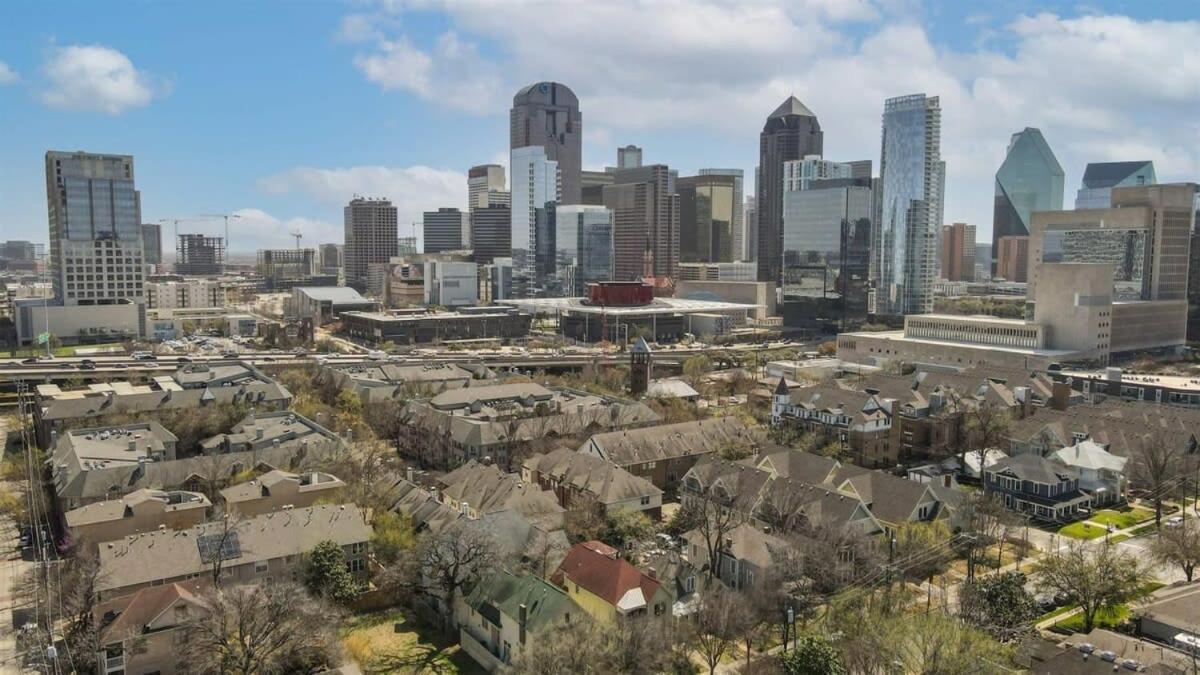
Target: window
[260,567]
[357,565]
[645,501]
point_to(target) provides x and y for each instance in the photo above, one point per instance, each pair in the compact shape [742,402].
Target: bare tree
[1178,546]
[1158,464]
[714,518]
[986,425]
[718,624]
[442,565]
[273,628]
[221,541]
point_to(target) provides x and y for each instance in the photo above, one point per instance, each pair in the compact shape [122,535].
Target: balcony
[476,650]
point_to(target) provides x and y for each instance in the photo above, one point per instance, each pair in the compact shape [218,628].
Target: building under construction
[197,254]
[283,268]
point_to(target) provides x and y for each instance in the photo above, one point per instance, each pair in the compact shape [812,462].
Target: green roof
[505,592]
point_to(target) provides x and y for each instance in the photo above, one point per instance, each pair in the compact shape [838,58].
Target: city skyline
[209,144]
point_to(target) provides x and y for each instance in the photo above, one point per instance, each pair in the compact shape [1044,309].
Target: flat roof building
[419,326]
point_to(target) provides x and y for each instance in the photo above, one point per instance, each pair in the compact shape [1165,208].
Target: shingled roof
[605,481]
[594,566]
[670,441]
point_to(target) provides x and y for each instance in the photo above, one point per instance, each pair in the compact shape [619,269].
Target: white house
[1101,473]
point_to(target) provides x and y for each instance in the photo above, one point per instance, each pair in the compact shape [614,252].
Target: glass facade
[583,248]
[535,181]
[912,176]
[1030,179]
[1099,178]
[826,253]
[708,208]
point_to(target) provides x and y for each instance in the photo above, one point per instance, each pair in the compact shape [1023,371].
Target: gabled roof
[670,441]
[1090,455]
[134,613]
[594,566]
[796,464]
[640,345]
[792,106]
[608,483]
[505,593]
[890,498]
[1034,468]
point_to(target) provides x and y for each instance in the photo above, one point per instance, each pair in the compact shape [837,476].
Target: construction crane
[225,217]
[297,234]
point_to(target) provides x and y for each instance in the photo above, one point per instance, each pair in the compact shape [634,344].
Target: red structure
[620,293]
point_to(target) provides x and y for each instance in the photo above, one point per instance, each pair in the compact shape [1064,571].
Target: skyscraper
[791,132]
[331,258]
[707,210]
[913,177]
[485,185]
[958,252]
[1030,179]
[446,229]
[371,228]
[152,243]
[200,255]
[629,157]
[491,234]
[546,114]
[535,182]
[645,210]
[738,235]
[1012,259]
[1099,178]
[96,251]
[799,173]
[583,247]
[749,246]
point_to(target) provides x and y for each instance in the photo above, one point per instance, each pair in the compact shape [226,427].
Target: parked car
[1175,521]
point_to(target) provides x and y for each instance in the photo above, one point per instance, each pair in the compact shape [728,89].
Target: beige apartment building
[144,510]
[277,490]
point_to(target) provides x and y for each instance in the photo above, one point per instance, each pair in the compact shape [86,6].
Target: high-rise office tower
[791,132]
[152,243]
[371,227]
[331,258]
[547,114]
[827,229]
[592,190]
[446,229]
[738,235]
[958,252]
[749,246]
[707,211]
[629,157]
[491,234]
[799,173]
[645,208]
[484,183]
[1012,259]
[913,177]
[1099,179]
[583,247]
[1030,179]
[96,254]
[535,182]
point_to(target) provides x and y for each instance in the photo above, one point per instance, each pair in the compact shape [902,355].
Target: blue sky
[281,110]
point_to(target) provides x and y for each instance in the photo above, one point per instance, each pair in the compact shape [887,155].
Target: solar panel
[226,545]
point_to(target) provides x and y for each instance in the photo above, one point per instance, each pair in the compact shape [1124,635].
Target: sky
[281,111]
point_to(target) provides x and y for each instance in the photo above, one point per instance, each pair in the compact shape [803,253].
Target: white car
[376,355]
[1175,521]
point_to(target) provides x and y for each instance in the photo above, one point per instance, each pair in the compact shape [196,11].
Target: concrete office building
[420,325]
[546,115]
[738,235]
[645,208]
[446,229]
[958,252]
[592,187]
[484,183]
[491,233]
[913,178]
[1030,179]
[726,271]
[1012,259]
[496,281]
[1144,236]
[707,211]
[96,248]
[1099,179]
[583,244]
[535,182]
[186,294]
[791,132]
[629,157]
[371,233]
[283,268]
[152,243]
[826,254]
[451,284]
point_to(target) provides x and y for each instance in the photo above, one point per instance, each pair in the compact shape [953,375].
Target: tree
[1178,546]
[627,527]
[718,624]
[443,564]
[999,605]
[813,655]
[1157,462]
[714,520]
[918,546]
[986,426]
[1095,578]
[326,574]
[695,368]
[627,646]
[252,630]
[392,536]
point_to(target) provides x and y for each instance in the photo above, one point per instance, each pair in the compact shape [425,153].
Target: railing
[477,651]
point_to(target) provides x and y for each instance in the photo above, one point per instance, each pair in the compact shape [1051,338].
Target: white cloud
[98,78]
[255,229]
[1100,87]
[8,75]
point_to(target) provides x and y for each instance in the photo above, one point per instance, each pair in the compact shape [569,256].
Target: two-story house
[1101,473]
[607,586]
[577,479]
[141,633]
[502,614]
[744,558]
[1038,487]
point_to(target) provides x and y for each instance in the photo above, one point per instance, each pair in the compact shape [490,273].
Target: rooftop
[595,566]
[668,441]
[130,444]
[115,509]
[658,306]
[335,294]
[609,484]
[272,480]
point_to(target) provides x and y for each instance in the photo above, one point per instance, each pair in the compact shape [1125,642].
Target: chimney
[522,619]
[946,480]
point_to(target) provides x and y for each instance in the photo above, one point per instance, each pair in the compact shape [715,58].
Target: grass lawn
[1081,530]
[1144,529]
[1055,612]
[1118,539]
[1110,617]
[378,645]
[1122,518]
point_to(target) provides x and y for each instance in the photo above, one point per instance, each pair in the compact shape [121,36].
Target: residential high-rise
[958,252]
[798,174]
[96,250]
[913,177]
[827,253]
[546,114]
[371,227]
[791,132]
[749,246]
[446,229]
[738,235]
[1012,259]
[629,157]
[331,258]
[152,243]
[1099,179]
[1030,179]
[483,182]
[199,255]
[583,247]
[645,208]
[535,182]
[707,211]
[491,234]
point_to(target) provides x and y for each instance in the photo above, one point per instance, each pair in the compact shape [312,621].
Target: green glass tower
[1030,179]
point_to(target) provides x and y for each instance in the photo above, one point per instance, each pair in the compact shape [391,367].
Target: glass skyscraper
[708,207]
[546,114]
[1030,179]
[791,132]
[1099,178]
[738,238]
[583,247]
[535,181]
[913,177]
